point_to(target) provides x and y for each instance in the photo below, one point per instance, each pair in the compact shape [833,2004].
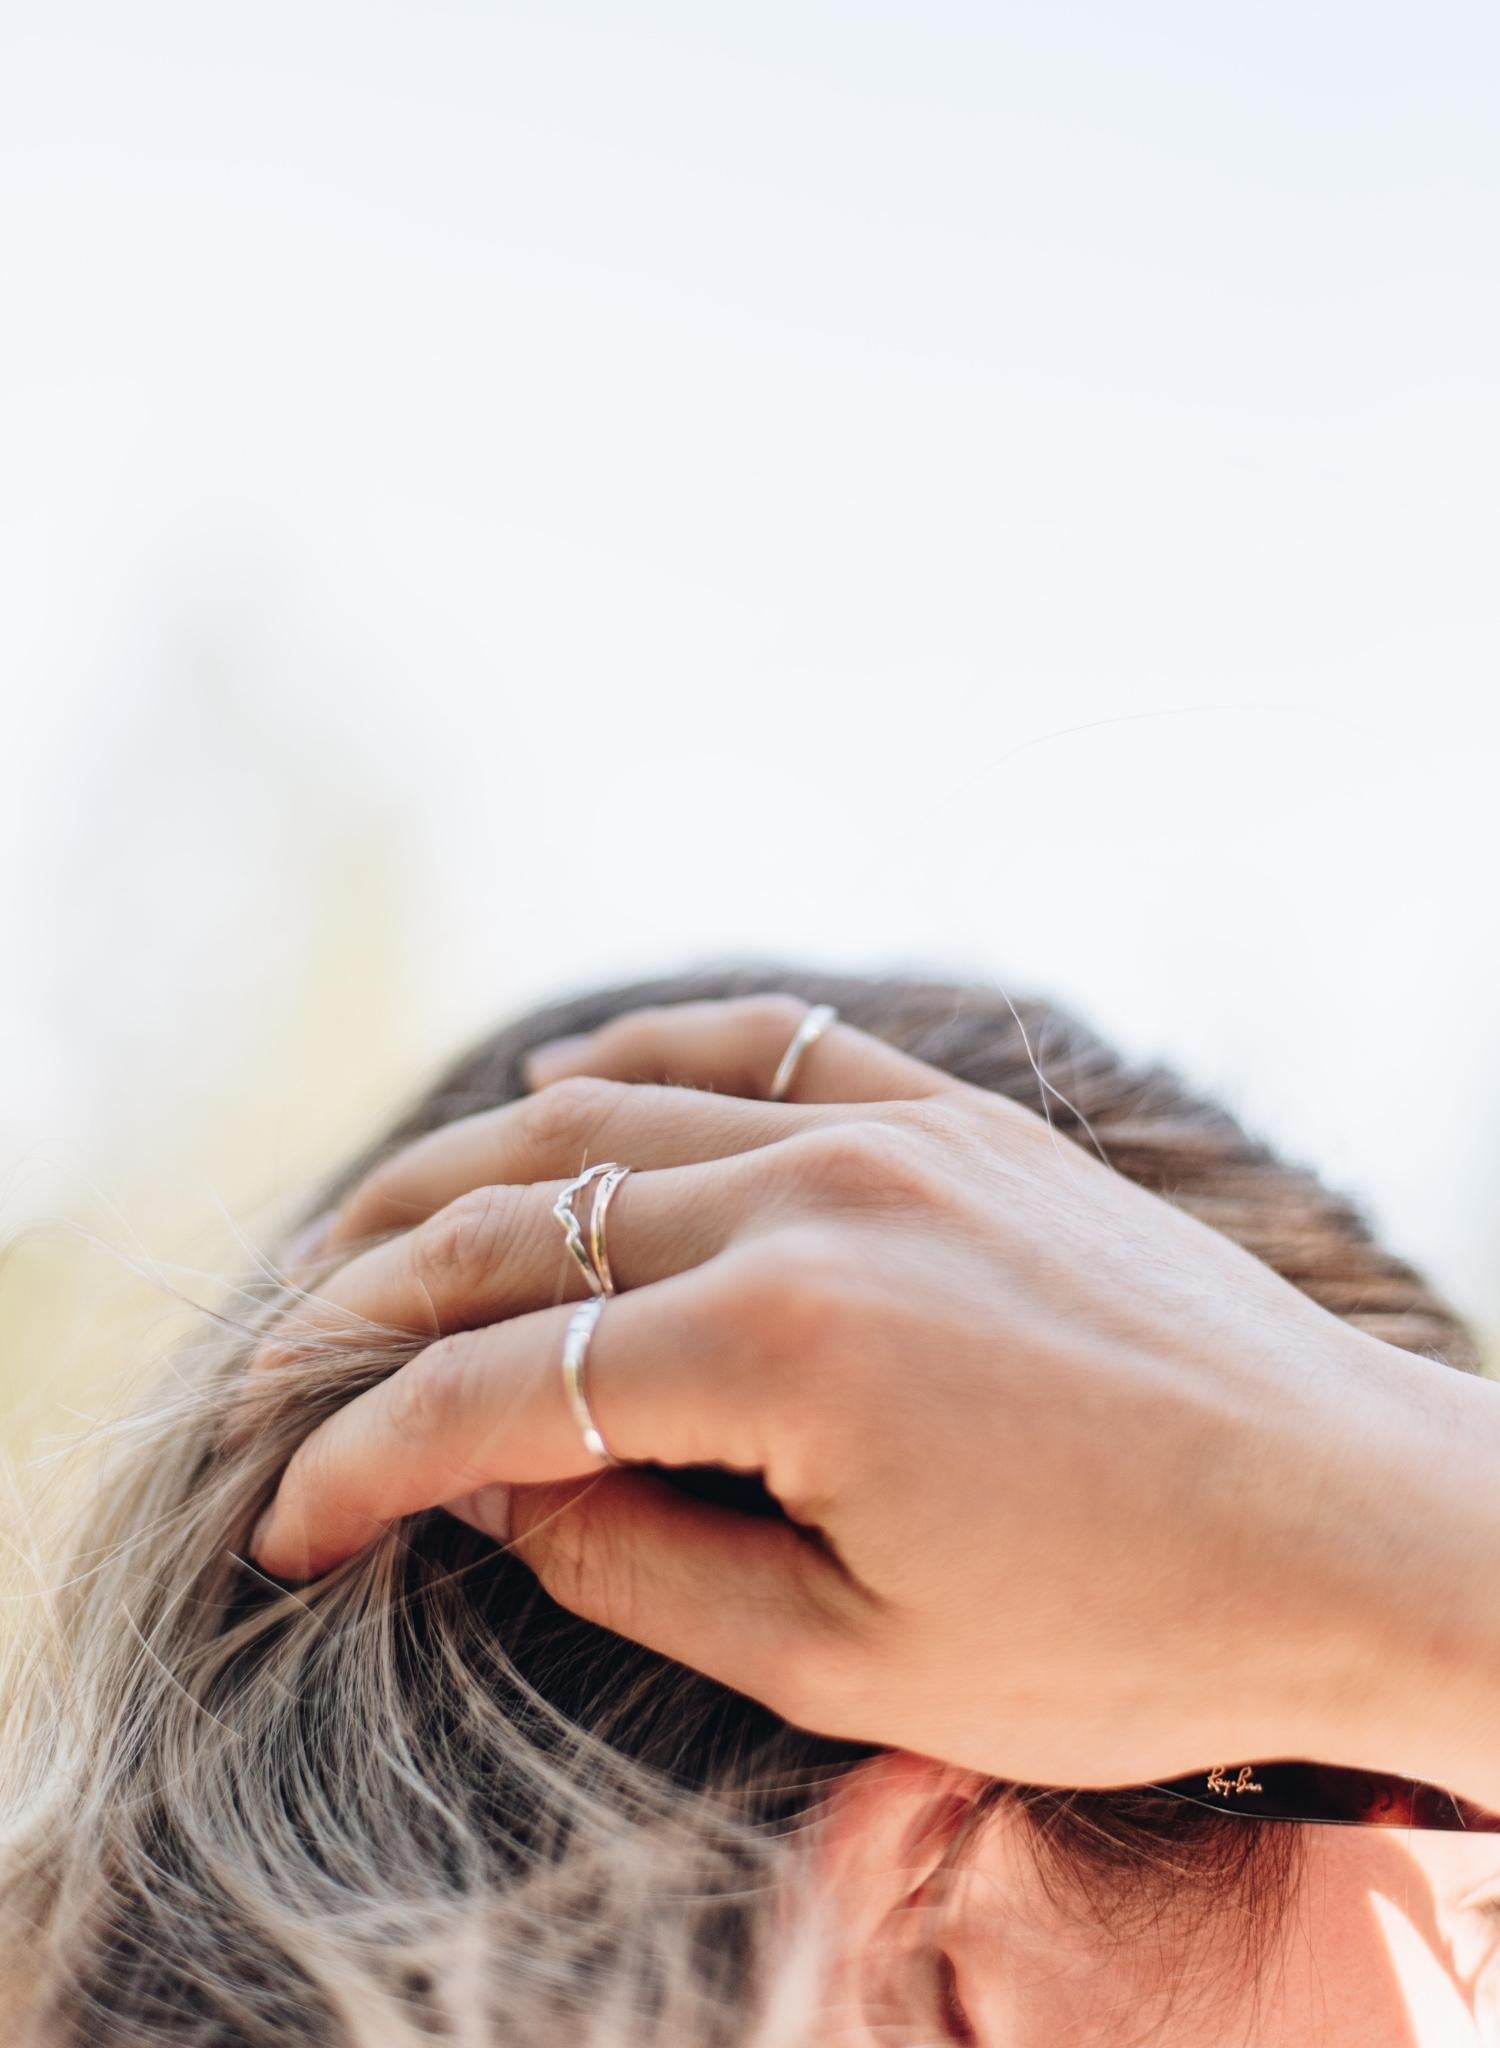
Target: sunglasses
[1329,1794]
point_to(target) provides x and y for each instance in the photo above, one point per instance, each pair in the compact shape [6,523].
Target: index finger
[736,1044]
[668,1381]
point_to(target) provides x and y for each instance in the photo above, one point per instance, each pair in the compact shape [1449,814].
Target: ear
[881,1842]
[894,1815]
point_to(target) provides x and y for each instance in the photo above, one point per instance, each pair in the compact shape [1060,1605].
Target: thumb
[745,1599]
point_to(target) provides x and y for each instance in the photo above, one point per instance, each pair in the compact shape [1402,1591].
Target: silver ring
[604,1194]
[812,1027]
[574,1358]
[563,1210]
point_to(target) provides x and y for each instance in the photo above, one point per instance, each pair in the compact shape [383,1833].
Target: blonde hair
[418,1802]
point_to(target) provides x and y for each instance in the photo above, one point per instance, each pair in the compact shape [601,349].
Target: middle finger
[554,1133]
[499,1251]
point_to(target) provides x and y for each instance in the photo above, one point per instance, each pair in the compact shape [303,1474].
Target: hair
[418,1802]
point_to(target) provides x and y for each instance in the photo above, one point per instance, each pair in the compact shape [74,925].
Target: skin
[1392,1940]
[1077,1491]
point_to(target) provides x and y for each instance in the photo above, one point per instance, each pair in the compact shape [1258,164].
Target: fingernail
[558,1056]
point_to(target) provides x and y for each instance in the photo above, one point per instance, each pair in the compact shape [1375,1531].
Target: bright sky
[1009,487]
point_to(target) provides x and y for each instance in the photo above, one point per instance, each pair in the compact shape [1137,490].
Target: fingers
[550,1136]
[735,1047]
[745,1599]
[500,1251]
[726,1052]
[668,1379]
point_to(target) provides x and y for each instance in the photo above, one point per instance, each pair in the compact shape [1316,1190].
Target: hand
[1076,1491]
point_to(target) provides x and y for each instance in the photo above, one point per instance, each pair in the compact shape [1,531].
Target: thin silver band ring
[812,1027]
[574,1360]
[604,1194]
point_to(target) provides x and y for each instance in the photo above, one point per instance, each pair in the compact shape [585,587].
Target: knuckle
[795,1292]
[429,1394]
[937,1119]
[946,1134]
[469,1237]
[558,1121]
[868,1164]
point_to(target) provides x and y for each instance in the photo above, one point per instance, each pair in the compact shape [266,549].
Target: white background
[496,496]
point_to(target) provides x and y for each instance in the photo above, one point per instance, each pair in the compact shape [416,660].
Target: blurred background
[494,497]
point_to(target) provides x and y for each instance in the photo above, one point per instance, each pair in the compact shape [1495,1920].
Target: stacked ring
[567,1216]
[598,1248]
[593,1257]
